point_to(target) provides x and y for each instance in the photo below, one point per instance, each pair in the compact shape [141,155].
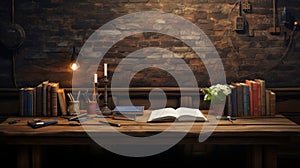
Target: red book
[254,100]
[250,83]
[262,96]
[257,99]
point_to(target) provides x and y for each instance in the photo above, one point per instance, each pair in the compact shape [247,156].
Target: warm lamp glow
[74,66]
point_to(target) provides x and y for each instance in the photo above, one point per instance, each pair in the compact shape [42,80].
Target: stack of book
[128,112]
[45,99]
[251,98]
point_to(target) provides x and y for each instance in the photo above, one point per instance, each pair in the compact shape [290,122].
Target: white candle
[95,78]
[105,69]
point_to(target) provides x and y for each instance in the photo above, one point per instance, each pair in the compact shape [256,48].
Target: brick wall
[53,26]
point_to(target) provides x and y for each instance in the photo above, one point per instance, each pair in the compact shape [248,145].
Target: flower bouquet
[217,93]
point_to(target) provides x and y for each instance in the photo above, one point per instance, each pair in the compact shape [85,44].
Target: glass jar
[73,108]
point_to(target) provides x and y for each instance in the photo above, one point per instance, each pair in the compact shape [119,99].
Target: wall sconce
[74,65]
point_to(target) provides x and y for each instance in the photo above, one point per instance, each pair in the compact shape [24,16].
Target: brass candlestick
[106,110]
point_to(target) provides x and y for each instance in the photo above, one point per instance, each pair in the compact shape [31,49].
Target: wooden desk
[266,136]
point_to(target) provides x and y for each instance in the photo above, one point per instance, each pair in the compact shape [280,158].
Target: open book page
[164,114]
[179,114]
[190,114]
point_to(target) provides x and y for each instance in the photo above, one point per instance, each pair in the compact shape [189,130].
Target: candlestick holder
[95,92]
[105,110]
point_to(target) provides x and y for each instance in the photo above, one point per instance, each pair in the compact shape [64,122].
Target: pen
[39,124]
[46,123]
[102,116]
[226,118]
[110,123]
[77,117]
[13,121]
[85,119]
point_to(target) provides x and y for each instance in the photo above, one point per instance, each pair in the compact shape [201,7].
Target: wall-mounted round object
[12,36]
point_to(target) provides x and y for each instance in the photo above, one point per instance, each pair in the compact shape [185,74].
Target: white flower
[218,92]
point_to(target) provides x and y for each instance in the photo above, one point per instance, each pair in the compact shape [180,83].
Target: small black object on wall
[12,35]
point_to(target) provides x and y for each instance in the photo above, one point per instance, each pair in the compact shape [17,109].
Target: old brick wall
[53,26]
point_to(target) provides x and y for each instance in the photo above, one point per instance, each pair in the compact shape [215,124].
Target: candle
[105,69]
[95,78]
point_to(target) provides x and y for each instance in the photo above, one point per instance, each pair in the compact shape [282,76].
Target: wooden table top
[249,129]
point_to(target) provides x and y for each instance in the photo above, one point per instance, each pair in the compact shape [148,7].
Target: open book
[179,114]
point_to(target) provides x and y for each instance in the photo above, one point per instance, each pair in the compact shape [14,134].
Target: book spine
[233,101]
[262,88]
[26,113]
[54,100]
[239,99]
[256,99]
[62,101]
[272,103]
[49,86]
[246,107]
[250,84]
[44,99]
[263,97]
[34,102]
[39,101]
[268,102]
[28,102]
[22,101]
[25,102]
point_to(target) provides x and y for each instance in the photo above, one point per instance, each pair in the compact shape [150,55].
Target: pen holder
[91,107]
[73,108]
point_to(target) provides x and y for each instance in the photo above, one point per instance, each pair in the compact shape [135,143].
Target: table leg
[255,156]
[23,160]
[36,156]
[29,157]
[270,157]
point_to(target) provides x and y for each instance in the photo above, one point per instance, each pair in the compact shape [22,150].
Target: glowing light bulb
[74,66]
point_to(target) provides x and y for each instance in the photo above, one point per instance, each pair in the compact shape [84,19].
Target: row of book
[251,98]
[45,99]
